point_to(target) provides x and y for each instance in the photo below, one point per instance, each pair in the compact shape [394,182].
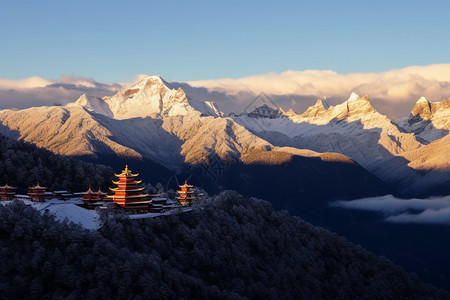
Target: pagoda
[37,193]
[186,194]
[7,192]
[91,198]
[127,195]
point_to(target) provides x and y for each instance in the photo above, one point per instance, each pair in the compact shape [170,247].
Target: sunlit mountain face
[153,120]
[297,161]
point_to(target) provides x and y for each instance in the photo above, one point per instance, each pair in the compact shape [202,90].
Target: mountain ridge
[153,120]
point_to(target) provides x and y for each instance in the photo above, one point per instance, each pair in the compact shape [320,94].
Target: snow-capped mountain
[428,120]
[265,111]
[422,172]
[70,130]
[149,120]
[353,128]
[157,124]
[394,152]
[152,97]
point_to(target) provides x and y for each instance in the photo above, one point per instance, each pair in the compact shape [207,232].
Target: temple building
[127,195]
[62,195]
[92,198]
[186,194]
[7,192]
[37,193]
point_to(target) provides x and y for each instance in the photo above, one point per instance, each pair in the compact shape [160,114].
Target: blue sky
[112,41]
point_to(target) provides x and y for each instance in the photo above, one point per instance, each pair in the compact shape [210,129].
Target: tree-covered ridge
[23,164]
[226,247]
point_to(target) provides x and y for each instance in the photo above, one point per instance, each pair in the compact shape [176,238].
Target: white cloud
[430,216]
[393,92]
[432,210]
[37,91]
[25,83]
[400,82]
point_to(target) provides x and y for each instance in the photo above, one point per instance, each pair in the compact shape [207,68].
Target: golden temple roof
[186,185]
[127,173]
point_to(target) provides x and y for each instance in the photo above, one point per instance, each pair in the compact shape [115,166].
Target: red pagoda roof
[127,193]
[127,190]
[120,182]
[90,191]
[127,196]
[38,187]
[6,186]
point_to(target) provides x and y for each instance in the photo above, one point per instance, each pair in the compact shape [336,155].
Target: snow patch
[354,96]
[422,100]
[166,213]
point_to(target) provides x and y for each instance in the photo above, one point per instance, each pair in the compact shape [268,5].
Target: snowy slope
[424,170]
[398,154]
[66,210]
[154,97]
[428,120]
[70,130]
[155,121]
[128,124]
[69,211]
[353,128]
[149,120]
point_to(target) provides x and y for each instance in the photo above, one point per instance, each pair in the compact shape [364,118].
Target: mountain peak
[154,97]
[92,104]
[353,97]
[322,103]
[422,100]
[359,105]
[291,113]
[265,111]
[318,109]
[151,82]
[422,110]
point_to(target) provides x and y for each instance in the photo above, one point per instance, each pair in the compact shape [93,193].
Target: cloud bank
[393,92]
[431,211]
[37,91]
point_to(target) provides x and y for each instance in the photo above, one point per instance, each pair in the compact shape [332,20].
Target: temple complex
[37,193]
[186,194]
[7,192]
[62,195]
[127,195]
[92,198]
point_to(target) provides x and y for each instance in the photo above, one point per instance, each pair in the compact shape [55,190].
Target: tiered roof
[38,187]
[127,194]
[185,194]
[37,193]
[91,192]
[7,192]
[91,197]
[8,187]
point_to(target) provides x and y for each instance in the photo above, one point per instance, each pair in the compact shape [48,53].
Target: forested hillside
[23,164]
[226,247]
